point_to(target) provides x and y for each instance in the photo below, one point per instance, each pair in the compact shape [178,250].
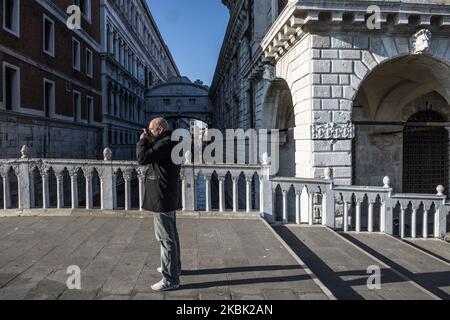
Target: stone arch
[385,98]
[278,113]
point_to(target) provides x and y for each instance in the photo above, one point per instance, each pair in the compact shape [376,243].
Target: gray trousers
[167,234]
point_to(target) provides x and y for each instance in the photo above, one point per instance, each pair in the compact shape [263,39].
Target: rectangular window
[76,54]
[76,106]
[11,87]
[11,16]
[90,109]
[89,63]
[49,36]
[49,98]
[85,7]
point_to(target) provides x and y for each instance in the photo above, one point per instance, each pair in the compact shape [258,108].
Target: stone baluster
[285,207]
[60,189]
[358,216]
[235,194]
[127,178]
[88,172]
[248,194]
[298,194]
[74,187]
[425,223]
[370,218]
[414,222]
[141,178]
[207,193]
[221,194]
[345,222]
[311,208]
[261,194]
[45,189]
[6,189]
[402,221]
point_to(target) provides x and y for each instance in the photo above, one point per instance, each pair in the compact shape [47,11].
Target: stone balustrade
[223,188]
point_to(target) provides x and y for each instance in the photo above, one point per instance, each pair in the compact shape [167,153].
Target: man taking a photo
[163,197]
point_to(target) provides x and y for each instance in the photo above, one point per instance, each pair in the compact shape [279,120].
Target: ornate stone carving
[25,151]
[332,131]
[440,190]
[269,72]
[421,41]
[387,182]
[107,154]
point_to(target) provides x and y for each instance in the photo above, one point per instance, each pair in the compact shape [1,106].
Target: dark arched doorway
[425,152]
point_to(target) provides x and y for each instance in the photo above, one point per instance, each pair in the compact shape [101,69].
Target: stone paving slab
[428,272]
[223,259]
[437,248]
[342,267]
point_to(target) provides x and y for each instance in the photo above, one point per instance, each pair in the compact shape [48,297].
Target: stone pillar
[358,216]
[402,222]
[60,189]
[248,194]
[207,193]
[127,178]
[89,196]
[370,224]
[74,187]
[297,206]
[106,185]
[425,223]
[45,189]
[6,190]
[311,208]
[345,222]
[414,222]
[221,194]
[285,207]
[24,184]
[235,194]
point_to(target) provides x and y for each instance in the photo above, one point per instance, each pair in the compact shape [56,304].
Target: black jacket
[162,182]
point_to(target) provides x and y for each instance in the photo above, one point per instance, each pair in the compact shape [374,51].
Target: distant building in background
[50,89]
[182,102]
[134,58]
[70,94]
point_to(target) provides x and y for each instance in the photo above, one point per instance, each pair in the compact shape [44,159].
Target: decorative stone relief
[421,41]
[269,72]
[332,131]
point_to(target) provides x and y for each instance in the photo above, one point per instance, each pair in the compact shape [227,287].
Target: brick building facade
[50,79]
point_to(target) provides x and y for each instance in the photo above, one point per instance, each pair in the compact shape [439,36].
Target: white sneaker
[164,285]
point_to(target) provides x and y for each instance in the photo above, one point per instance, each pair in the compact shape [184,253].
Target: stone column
[311,208]
[297,206]
[88,172]
[45,189]
[60,189]
[235,194]
[358,216]
[370,224]
[345,222]
[248,194]
[74,187]
[402,222]
[425,223]
[6,190]
[414,222]
[285,207]
[221,194]
[127,178]
[207,193]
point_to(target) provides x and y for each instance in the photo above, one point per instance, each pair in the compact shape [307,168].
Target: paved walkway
[118,257]
[342,266]
[428,272]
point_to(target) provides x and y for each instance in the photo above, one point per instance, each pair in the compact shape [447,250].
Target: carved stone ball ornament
[421,41]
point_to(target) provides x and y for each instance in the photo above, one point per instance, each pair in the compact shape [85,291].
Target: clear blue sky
[194,31]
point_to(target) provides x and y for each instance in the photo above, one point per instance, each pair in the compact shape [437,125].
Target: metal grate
[425,154]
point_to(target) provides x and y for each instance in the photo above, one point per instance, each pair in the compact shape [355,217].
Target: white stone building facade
[179,100]
[367,101]
[134,59]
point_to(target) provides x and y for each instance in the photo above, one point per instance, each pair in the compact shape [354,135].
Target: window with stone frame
[11,16]
[281,5]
